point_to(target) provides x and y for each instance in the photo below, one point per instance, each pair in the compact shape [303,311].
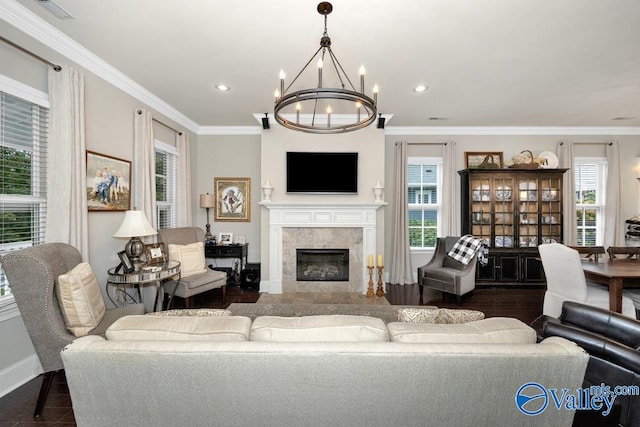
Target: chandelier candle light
[345,99]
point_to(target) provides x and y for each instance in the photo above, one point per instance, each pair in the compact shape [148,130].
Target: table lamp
[135,225]
[207,201]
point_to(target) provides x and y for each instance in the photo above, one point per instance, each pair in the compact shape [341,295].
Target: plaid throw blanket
[468,246]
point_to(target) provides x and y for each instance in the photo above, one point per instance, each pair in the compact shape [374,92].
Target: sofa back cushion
[80,299]
[494,330]
[321,328]
[180,328]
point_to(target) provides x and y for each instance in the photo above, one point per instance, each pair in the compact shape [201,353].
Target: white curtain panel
[184,213]
[400,271]
[144,170]
[450,225]
[67,220]
[565,157]
[613,230]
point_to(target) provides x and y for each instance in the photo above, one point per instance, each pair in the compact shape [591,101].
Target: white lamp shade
[207,201]
[135,224]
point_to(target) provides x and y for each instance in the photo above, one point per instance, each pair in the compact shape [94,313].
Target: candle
[298,107]
[380,261]
[320,72]
[329,116]
[358,105]
[375,93]
[281,81]
[370,262]
[361,71]
[276,93]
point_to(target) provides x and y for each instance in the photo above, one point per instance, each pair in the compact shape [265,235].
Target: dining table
[616,274]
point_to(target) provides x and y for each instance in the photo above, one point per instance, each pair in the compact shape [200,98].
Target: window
[424,184]
[166,165]
[23,171]
[590,176]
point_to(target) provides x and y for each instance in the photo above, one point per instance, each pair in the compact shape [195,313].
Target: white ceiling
[486,62]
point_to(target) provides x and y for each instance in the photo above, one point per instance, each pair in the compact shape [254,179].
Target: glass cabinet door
[550,210]
[527,217]
[503,197]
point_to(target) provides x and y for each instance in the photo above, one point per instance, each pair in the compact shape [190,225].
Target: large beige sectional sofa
[335,370]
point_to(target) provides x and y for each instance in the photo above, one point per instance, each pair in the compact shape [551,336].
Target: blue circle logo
[532,399]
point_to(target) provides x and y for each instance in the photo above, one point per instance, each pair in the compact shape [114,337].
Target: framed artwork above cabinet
[514,211]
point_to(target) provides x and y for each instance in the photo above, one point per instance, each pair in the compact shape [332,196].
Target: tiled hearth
[305,225]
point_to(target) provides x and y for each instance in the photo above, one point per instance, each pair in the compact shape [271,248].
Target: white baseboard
[19,373]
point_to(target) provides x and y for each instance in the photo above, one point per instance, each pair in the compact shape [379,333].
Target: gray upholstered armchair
[195,284]
[446,274]
[33,274]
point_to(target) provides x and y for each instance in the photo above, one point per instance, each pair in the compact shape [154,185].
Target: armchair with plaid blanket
[447,274]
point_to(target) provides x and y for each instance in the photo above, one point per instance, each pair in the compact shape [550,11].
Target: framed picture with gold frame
[233,199]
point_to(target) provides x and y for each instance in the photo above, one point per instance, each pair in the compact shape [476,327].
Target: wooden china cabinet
[514,210]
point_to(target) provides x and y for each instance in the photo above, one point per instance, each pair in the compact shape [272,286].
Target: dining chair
[592,253]
[627,252]
[566,282]
[33,277]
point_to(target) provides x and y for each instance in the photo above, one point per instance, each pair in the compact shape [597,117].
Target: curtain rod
[427,143]
[589,143]
[56,67]
[179,132]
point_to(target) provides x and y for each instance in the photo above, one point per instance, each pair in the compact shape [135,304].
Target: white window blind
[23,177]
[590,184]
[166,199]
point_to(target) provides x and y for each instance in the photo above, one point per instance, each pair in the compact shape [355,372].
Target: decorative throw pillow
[80,299]
[190,257]
[440,315]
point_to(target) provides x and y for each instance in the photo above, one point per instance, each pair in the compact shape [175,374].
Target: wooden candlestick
[370,293]
[380,291]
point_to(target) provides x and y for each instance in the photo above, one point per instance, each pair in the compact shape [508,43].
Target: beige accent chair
[33,275]
[566,282]
[189,286]
[446,274]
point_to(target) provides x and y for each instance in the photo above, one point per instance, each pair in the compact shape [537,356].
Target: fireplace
[322,265]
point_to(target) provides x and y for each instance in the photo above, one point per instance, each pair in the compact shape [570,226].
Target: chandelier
[321,102]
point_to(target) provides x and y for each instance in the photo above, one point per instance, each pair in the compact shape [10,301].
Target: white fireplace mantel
[282,215]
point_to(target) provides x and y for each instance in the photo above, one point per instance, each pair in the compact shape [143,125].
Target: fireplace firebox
[319,265]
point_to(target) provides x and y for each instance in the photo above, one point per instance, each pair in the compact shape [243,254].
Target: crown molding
[37,28]
[230,130]
[511,130]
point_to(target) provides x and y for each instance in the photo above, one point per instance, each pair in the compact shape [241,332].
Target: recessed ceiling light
[623,118]
[57,10]
[438,118]
[420,88]
[222,87]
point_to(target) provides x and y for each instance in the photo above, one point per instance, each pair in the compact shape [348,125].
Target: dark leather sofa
[613,343]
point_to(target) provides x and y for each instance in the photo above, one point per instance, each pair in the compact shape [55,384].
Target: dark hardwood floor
[16,408]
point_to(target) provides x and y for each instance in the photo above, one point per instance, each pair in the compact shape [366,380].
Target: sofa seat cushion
[80,299]
[191,258]
[320,328]
[438,315]
[180,328]
[199,279]
[494,330]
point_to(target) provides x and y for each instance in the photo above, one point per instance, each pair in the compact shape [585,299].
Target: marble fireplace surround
[337,221]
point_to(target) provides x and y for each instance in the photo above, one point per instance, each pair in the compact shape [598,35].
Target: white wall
[275,143]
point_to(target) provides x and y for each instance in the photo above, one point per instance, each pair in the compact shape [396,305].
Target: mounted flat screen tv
[322,173]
